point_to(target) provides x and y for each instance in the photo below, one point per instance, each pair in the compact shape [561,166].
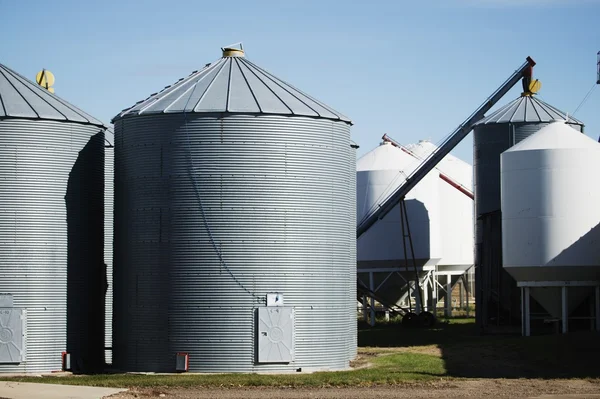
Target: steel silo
[234,191]
[497,297]
[51,230]
[551,218]
[440,217]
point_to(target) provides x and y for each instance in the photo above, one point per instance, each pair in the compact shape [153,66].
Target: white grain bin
[380,249]
[498,299]
[455,187]
[550,216]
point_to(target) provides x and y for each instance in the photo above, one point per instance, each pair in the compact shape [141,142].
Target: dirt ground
[480,388]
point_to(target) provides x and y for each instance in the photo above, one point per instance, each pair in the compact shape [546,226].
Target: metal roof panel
[232,85]
[266,98]
[14,104]
[241,97]
[22,98]
[193,95]
[527,109]
[215,97]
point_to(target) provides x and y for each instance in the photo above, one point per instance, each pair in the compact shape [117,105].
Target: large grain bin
[51,230]
[498,300]
[440,217]
[455,188]
[551,220]
[234,227]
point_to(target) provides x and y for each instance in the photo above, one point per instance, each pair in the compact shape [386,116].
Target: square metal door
[11,335]
[275,334]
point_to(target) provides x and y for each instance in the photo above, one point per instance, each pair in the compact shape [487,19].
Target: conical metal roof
[387,157]
[22,98]
[557,135]
[233,85]
[527,109]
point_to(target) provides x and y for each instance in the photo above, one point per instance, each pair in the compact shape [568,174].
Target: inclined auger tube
[450,142]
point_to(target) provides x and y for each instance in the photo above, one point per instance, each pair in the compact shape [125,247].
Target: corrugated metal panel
[278,194]
[489,141]
[50,222]
[233,85]
[22,98]
[86,273]
[109,174]
[351,326]
[528,109]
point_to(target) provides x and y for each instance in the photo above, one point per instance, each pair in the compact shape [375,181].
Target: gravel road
[480,388]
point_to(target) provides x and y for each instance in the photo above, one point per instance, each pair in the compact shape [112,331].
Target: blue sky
[412,69]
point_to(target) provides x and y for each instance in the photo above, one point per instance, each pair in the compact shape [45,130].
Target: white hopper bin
[550,219]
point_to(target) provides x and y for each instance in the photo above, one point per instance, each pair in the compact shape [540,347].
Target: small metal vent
[275,335]
[11,335]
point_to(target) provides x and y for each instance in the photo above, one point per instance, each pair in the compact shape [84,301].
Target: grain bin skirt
[278,197]
[51,231]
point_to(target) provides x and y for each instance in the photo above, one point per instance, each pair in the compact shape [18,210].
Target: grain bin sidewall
[283,184]
[39,158]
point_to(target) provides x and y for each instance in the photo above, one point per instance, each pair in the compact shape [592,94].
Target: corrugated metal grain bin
[51,230]
[497,297]
[234,194]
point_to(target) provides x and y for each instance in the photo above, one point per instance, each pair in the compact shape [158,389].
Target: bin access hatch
[11,335]
[275,334]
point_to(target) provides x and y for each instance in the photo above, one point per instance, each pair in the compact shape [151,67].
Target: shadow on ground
[467,354]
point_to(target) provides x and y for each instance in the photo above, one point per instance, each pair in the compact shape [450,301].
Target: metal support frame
[426,293]
[526,314]
[434,282]
[383,282]
[394,269]
[364,309]
[558,283]
[429,284]
[407,235]
[468,293]
[597,307]
[565,309]
[448,296]
[407,295]
[564,292]
[371,284]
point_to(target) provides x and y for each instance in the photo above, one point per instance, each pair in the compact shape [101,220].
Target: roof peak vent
[233,51]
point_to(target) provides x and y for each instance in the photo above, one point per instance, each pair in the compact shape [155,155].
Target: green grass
[466,353]
[390,355]
[386,369]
